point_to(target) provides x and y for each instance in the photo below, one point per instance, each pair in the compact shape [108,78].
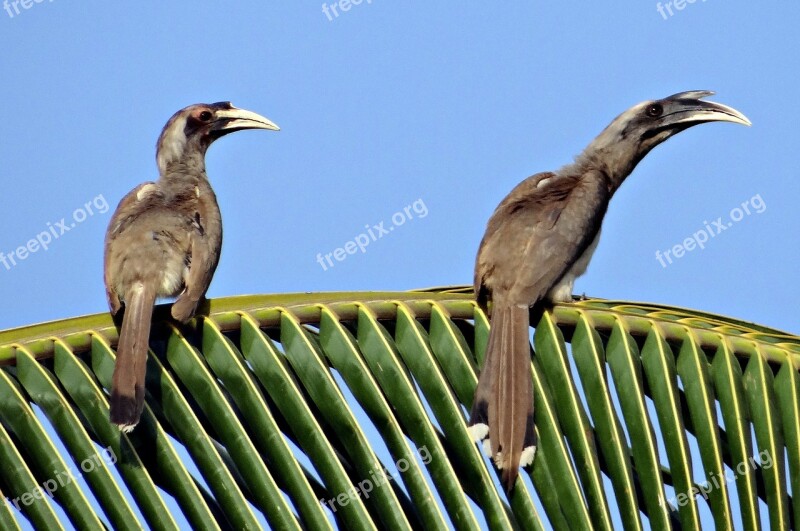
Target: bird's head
[636,131]
[191,130]
[652,122]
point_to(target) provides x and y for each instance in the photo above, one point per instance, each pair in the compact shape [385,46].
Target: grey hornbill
[538,241]
[164,240]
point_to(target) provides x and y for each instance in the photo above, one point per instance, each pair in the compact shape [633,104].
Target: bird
[539,239]
[164,240]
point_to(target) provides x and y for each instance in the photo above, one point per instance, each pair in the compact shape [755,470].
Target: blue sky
[390,105]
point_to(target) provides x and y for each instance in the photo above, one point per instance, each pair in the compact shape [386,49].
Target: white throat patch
[172,143]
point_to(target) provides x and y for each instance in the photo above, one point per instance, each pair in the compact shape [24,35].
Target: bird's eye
[205,116]
[654,110]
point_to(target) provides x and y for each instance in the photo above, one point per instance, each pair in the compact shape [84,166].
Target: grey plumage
[163,240]
[539,240]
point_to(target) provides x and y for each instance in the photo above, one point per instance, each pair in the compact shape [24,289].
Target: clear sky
[387,104]
[441,107]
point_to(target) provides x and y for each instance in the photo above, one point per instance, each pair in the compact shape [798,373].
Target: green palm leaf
[348,410]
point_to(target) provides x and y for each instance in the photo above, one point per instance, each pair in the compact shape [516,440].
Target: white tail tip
[487,447]
[526,458]
[499,461]
[478,432]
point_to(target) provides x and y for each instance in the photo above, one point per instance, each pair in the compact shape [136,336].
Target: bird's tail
[127,393]
[503,404]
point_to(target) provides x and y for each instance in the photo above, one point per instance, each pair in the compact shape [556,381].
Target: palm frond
[288,410]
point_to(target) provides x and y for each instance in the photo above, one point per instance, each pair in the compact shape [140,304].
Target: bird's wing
[485,260]
[206,243]
[130,207]
[537,233]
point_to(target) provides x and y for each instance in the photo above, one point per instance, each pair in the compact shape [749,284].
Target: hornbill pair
[164,240]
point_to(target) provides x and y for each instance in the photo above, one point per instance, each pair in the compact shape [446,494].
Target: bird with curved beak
[538,241]
[164,240]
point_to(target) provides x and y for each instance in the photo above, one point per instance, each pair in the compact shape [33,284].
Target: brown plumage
[164,240]
[538,241]
[544,209]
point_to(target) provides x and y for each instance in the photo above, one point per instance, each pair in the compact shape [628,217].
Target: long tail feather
[127,394]
[504,397]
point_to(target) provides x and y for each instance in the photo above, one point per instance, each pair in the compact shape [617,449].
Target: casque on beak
[688,108]
[233,119]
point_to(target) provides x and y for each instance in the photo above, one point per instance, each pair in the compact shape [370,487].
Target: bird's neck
[184,175]
[613,156]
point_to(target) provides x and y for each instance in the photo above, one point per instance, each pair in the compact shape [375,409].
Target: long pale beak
[230,120]
[690,109]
